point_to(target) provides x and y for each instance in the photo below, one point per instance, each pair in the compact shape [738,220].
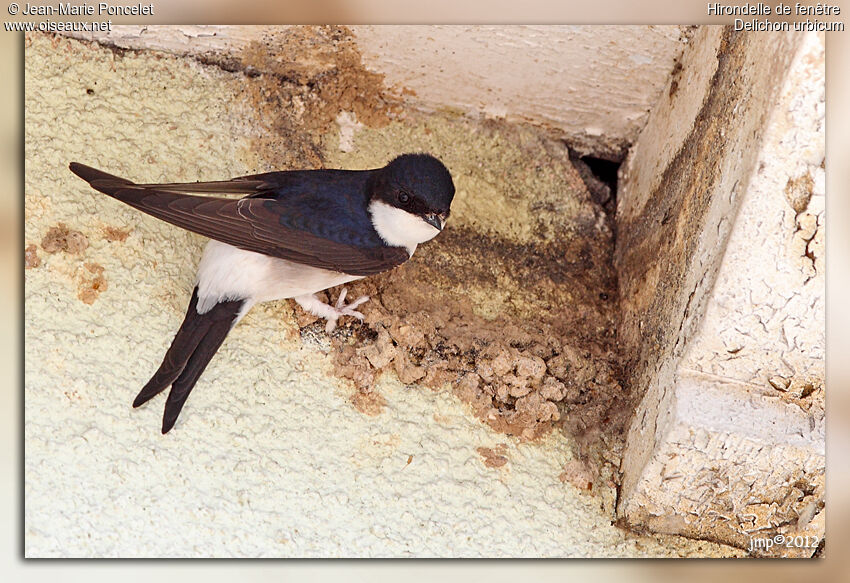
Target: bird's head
[411,199]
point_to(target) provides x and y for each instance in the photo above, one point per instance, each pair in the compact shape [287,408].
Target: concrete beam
[720,257]
[593,85]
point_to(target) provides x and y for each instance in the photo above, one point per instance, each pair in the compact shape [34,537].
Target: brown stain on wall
[115,235]
[31,258]
[657,247]
[493,457]
[91,283]
[369,403]
[62,238]
[89,276]
[306,76]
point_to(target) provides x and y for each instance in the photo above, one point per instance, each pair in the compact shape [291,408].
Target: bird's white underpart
[400,228]
[229,273]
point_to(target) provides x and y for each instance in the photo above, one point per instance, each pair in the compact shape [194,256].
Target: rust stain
[31,258]
[91,285]
[61,238]
[114,234]
[369,403]
[493,458]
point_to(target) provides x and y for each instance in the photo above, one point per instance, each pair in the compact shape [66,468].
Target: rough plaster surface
[271,458]
[751,337]
[595,85]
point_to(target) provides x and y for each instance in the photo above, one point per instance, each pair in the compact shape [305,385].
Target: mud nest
[513,307]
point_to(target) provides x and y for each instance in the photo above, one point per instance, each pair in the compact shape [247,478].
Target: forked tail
[197,340]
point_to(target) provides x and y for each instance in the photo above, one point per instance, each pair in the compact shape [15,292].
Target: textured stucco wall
[270,458]
[594,85]
[721,235]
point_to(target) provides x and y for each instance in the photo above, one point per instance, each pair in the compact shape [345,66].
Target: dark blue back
[332,204]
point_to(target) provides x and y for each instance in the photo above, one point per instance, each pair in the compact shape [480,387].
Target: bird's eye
[403,197]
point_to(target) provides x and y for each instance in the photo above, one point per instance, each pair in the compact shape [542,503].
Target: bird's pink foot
[332,313]
[343,309]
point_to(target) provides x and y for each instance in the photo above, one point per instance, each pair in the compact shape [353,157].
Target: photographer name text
[99,9]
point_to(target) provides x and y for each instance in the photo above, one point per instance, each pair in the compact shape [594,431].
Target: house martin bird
[293,234]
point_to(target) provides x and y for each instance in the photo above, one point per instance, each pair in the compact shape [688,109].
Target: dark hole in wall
[600,177]
[604,170]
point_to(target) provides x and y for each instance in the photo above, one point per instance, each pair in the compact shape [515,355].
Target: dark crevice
[600,177]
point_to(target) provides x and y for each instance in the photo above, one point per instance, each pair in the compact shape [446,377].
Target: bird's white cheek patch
[400,228]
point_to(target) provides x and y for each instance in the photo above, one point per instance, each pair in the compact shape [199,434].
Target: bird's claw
[343,309]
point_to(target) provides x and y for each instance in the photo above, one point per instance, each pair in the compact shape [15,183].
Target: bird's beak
[434,221]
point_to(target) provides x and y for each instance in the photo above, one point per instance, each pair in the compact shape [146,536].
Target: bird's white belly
[229,273]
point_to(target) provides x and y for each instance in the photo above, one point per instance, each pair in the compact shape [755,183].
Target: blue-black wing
[299,216]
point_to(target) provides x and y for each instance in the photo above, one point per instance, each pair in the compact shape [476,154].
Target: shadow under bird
[293,234]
